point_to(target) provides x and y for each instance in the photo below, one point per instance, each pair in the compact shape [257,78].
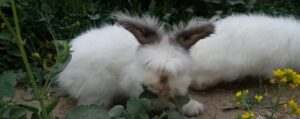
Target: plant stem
[275,108]
[20,44]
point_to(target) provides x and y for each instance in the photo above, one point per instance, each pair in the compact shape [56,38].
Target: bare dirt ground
[215,99]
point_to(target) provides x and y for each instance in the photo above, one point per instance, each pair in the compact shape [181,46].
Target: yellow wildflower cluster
[286,76]
[248,115]
[294,107]
[240,95]
[259,98]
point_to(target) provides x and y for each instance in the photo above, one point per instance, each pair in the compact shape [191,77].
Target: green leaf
[234,2]
[213,1]
[51,105]
[173,114]
[8,111]
[250,4]
[4,112]
[8,81]
[147,94]
[138,108]
[63,54]
[34,110]
[179,101]
[88,112]
[18,113]
[135,106]
[6,36]
[4,3]
[164,115]
[14,52]
[63,50]
[116,111]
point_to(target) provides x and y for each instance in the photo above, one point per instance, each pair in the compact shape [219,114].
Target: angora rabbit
[246,45]
[114,62]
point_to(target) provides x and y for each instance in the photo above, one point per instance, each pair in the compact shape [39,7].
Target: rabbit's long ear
[192,33]
[145,28]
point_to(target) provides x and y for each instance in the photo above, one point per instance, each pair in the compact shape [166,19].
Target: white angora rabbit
[246,45]
[114,62]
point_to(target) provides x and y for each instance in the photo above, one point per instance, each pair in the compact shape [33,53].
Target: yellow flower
[247,115]
[259,98]
[272,81]
[292,86]
[278,73]
[297,111]
[289,71]
[296,81]
[293,104]
[238,94]
[283,80]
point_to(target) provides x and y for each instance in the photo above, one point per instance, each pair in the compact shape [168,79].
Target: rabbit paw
[192,108]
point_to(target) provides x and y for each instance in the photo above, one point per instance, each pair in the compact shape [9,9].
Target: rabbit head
[162,60]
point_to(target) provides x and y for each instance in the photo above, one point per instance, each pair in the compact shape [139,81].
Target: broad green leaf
[179,101]
[138,108]
[8,111]
[173,114]
[8,81]
[135,106]
[18,113]
[88,112]
[116,111]
[4,112]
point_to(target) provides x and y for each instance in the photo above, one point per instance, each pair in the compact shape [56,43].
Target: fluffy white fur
[94,73]
[108,64]
[245,45]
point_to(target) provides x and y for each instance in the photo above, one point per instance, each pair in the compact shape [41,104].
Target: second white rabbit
[246,45]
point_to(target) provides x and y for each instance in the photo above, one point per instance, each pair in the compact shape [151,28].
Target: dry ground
[215,99]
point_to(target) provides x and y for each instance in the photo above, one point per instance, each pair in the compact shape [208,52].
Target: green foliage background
[43,21]
[45,24]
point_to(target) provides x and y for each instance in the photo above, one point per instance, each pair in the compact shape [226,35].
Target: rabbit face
[165,67]
[162,59]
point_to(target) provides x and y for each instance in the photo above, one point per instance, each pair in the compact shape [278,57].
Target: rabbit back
[245,45]
[93,74]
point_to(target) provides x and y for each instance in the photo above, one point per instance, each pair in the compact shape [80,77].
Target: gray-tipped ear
[190,35]
[145,28]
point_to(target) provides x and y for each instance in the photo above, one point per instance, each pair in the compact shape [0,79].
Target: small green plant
[135,108]
[9,109]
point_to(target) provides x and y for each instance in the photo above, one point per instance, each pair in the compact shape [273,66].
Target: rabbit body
[114,62]
[94,73]
[246,45]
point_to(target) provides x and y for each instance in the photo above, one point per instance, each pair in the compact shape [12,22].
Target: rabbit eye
[163,79]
